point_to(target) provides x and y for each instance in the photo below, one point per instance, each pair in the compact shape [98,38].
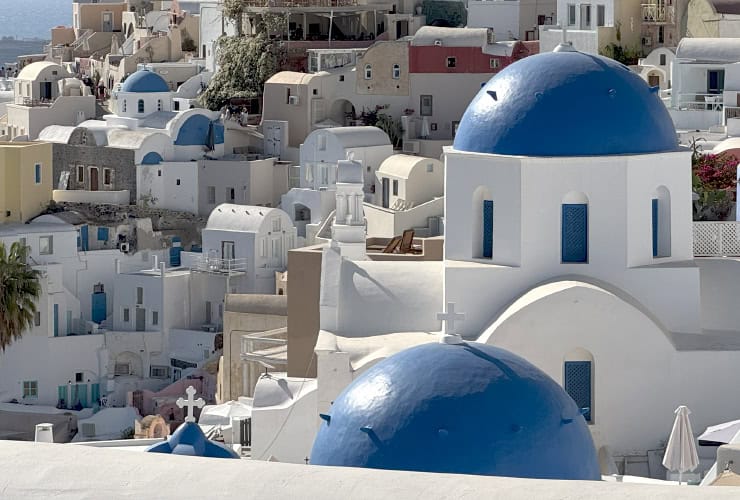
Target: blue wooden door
[655,228]
[55,320]
[487,229]
[578,385]
[574,238]
[84,238]
[62,397]
[94,393]
[82,394]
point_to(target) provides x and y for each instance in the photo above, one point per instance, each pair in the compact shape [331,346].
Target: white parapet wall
[387,223]
[98,197]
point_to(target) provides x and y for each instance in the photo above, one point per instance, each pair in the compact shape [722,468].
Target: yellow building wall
[21,198]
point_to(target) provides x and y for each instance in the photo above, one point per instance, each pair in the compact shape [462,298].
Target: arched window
[578,381]
[574,228]
[396,72]
[159,104]
[368,72]
[661,222]
[123,107]
[482,231]
[141,106]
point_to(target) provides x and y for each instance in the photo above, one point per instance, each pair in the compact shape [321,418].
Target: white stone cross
[190,403]
[449,318]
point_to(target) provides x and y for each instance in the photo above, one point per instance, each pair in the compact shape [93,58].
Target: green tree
[19,290]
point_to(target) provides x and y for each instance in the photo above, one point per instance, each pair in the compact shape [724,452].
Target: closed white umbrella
[716,435]
[680,454]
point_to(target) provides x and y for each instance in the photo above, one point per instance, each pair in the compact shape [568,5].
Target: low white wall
[81,196]
[695,119]
[387,223]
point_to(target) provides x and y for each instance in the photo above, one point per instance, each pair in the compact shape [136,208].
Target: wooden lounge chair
[406,240]
[392,245]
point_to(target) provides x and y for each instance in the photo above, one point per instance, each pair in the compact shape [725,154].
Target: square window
[494,63]
[30,389]
[341,78]
[315,91]
[79,377]
[451,62]
[125,315]
[46,245]
[37,173]
[276,224]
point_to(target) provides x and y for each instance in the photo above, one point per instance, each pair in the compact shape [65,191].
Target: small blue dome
[566,104]
[189,439]
[144,82]
[467,409]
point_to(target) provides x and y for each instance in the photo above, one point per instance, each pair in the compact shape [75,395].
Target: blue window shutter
[574,238]
[94,393]
[56,320]
[655,228]
[102,234]
[578,385]
[83,245]
[82,395]
[487,229]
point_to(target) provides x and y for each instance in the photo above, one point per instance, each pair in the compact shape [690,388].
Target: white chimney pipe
[44,433]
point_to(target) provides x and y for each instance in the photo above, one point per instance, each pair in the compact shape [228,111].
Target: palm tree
[19,289]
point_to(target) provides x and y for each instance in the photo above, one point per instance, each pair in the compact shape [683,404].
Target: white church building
[569,245]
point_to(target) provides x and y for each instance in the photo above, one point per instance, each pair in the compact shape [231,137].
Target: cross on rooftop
[449,318]
[190,403]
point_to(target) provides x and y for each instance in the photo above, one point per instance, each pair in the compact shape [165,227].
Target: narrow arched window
[482,223]
[368,72]
[396,72]
[574,228]
[661,222]
[141,106]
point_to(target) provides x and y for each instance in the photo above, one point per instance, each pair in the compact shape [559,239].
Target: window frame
[570,12]
[37,172]
[421,105]
[396,72]
[451,62]
[30,389]
[368,72]
[49,245]
[140,107]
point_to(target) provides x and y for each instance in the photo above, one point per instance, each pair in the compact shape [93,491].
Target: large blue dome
[566,104]
[143,82]
[468,409]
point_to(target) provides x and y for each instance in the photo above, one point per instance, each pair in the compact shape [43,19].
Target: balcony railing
[269,349]
[717,239]
[300,3]
[208,264]
[700,101]
[657,13]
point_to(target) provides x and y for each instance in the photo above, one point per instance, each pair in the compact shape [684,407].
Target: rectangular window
[155,317]
[395,187]
[37,173]
[126,315]
[451,62]
[715,81]
[30,389]
[487,229]
[585,17]
[46,245]
[159,371]
[287,96]
[662,59]
[493,62]
[578,385]
[655,226]
[139,295]
[177,182]
[396,74]
[107,177]
[574,238]
[430,167]
[425,107]
[601,15]
[37,318]
[211,195]
[263,250]
[227,250]
[230,195]
[661,34]
[55,320]
[103,234]
[80,174]
[571,14]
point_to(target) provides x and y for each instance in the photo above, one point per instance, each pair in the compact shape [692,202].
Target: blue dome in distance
[469,409]
[144,82]
[566,103]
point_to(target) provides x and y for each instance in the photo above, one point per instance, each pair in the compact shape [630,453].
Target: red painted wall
[433,59]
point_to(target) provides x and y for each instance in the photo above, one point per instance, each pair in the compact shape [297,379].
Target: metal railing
[717,239]
[300,3]
[700,101]
[732,112]
[657,13]
[266,348]
[208,264]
